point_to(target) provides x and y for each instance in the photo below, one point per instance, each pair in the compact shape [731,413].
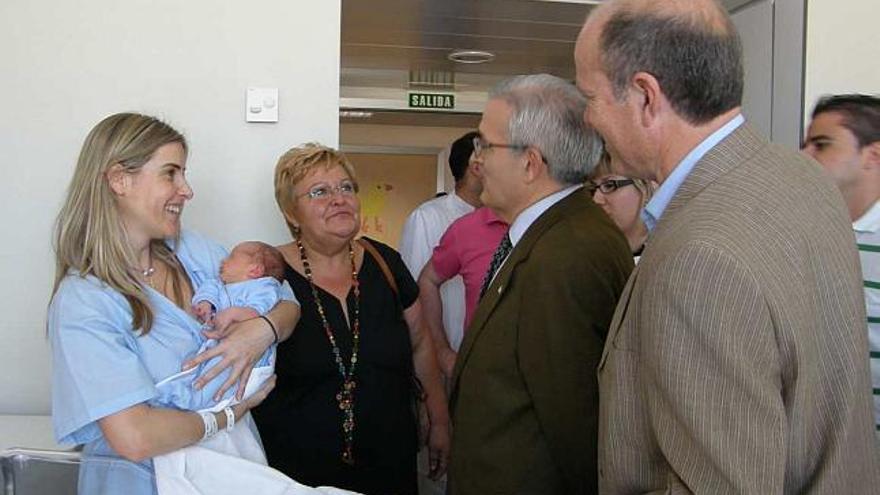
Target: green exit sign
[443,101]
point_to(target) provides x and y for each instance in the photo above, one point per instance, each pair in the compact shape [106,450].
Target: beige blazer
[737,361]
[525,397]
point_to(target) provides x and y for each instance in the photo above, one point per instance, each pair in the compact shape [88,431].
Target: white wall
[66,65]
[843,49]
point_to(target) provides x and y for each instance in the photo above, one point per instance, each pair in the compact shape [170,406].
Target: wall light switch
[262,105]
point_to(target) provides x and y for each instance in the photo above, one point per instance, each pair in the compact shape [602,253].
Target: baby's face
[239,266]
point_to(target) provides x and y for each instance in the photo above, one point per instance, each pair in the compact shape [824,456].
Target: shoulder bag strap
[370,248]
[418,389]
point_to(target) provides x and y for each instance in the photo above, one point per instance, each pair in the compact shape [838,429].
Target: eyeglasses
[608,186]
[345,188]
[481,144]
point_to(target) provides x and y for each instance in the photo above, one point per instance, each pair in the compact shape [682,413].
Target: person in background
[844,137]
[421,234]
[736,359]
[623,199]
[119,320]
[342,411]
[465,249]
[427,223]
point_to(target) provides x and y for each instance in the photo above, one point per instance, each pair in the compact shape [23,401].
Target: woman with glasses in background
[622,198]
[342,411]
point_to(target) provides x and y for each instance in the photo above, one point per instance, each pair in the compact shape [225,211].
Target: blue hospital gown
[100,366]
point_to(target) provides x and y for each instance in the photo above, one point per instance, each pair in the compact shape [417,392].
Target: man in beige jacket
[735,362]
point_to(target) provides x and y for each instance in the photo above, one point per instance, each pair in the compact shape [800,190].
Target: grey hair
[548,113]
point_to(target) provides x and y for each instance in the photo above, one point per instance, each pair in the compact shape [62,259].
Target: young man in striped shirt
[844,136]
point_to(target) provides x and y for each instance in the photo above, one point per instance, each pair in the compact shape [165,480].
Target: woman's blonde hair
[299,162]
[89,235]
[645,188]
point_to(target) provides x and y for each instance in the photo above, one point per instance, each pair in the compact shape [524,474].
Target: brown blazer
[737,361]
[524,396]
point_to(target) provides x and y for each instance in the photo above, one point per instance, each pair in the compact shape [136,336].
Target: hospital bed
[38,472]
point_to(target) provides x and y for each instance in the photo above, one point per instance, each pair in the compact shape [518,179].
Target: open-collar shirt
[664,194]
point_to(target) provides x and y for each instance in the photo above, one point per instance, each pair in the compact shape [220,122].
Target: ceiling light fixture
[471,56]
[355,114]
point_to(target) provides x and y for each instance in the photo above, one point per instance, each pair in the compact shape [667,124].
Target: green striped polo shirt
[867,230]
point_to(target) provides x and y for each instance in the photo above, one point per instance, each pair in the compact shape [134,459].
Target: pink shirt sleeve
[446,259]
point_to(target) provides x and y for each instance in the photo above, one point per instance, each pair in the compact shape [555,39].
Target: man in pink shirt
[465,249]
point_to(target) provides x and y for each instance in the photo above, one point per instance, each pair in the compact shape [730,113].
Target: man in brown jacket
[524,394]
[736,359]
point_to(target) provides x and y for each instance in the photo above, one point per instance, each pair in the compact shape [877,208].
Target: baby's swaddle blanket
[231,462]
[198,470]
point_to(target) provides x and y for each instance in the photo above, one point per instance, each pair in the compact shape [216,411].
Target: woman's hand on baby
[223,321]
[244,344]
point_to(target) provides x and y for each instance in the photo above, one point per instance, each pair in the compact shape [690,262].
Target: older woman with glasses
[342,411]
[622,198]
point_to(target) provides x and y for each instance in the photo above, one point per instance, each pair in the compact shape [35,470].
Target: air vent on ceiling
[431,79]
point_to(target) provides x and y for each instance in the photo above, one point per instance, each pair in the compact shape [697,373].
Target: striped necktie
[501,252]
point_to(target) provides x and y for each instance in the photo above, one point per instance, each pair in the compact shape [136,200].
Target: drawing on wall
[392,185]
[373,202]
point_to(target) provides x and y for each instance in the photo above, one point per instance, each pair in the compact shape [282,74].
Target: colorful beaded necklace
[345,397]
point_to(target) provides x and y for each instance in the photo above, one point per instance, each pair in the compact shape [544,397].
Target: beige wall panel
[399,136]
[392,186]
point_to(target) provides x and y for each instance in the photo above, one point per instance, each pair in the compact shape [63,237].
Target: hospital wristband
[230,418]
[210,422]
